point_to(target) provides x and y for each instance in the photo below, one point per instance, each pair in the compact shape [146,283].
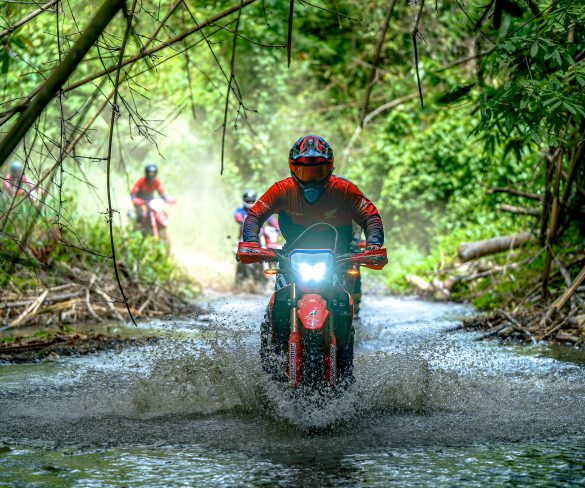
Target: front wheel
[313,368]
[272,359]
[345,359]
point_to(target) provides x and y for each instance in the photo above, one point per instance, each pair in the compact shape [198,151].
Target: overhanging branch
[47,91]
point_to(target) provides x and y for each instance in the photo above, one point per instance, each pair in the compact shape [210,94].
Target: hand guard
[371,258]
[252,252]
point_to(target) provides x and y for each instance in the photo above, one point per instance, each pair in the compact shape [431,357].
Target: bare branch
[291,10]
[513,191]
[163,45]
[375,60]
[229,87]
[415,34]
[57,78]
[29,17]
[129,18]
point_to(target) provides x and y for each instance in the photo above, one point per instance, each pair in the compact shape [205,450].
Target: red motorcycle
[154,219]
[307,334]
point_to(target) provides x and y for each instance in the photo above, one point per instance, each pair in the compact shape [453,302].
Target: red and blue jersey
[340,204]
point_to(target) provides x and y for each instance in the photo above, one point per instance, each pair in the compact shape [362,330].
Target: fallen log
[441,292]
[513,191]
[575,299]
[473,250]
[110,305]
[498,269]
[30,311]
[566,337]
[48,299]
[493,331]
[519,210]
[578,321]
[418,283]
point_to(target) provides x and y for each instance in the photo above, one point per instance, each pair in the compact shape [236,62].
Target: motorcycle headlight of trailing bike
[312,267]
[157,204]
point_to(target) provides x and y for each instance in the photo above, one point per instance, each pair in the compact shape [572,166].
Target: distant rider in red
[311,195]
[146,185]
[143,190]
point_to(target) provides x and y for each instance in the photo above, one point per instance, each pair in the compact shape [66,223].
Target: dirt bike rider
[313,194]
[249,198]
[16,182]
[143,190]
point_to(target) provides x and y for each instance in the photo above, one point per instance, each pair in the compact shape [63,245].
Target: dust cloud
[202,231]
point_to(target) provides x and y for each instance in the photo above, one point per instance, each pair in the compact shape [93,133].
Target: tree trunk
[474,250]
[57,78]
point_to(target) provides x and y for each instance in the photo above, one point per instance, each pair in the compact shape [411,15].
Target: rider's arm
[266,205]
[32,192]
[160,189]
[239,216]
[273,222]
[136,188]
[7,184]
[365,213]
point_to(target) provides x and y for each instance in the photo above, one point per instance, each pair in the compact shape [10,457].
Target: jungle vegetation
[461,120]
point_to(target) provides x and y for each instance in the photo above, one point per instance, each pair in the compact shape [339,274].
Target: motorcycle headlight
[157,204]
[312,266]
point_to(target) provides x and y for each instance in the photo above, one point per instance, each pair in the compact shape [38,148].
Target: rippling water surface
[430,407]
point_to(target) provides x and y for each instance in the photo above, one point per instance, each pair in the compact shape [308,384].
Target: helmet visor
[311,173]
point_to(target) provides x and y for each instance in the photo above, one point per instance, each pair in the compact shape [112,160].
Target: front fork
[295,351]
[295,348]
[154,225]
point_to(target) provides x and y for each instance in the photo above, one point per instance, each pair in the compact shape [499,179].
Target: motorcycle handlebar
[252,252]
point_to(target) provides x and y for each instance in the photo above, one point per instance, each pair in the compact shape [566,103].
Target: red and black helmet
[311,159]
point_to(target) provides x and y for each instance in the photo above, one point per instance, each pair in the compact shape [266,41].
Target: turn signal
[353,272]
[270,271]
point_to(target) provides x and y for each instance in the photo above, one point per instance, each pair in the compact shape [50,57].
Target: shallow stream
[430,407]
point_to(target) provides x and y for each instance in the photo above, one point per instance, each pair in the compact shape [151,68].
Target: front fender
[312,311]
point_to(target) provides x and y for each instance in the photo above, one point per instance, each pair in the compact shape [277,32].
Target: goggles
[311,173]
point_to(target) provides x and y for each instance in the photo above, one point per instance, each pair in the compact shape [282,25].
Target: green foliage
[534,78]
[486,122]
[36,260]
